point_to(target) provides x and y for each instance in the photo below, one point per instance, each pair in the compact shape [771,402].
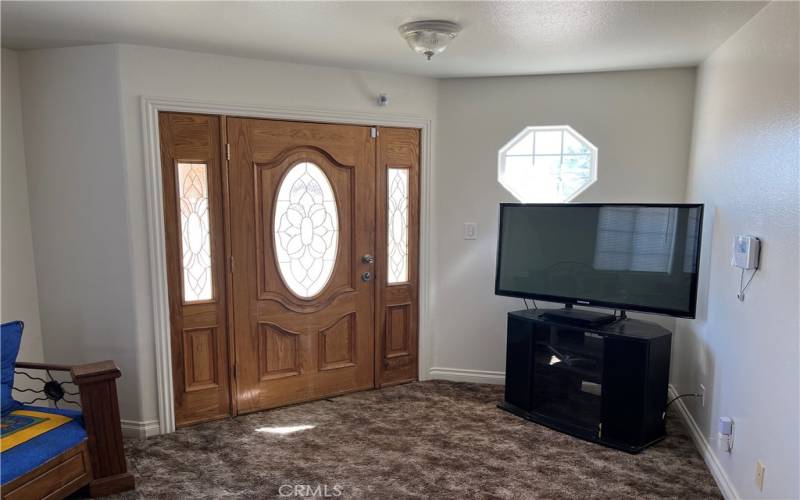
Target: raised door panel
[337,344]
[200,358]
[398,331]
[278,352]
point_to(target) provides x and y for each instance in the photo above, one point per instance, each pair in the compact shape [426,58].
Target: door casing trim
[151,106]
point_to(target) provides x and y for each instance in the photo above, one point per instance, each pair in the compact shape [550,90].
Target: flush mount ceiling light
[429,37]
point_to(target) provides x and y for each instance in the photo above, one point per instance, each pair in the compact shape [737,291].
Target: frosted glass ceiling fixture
[429,37]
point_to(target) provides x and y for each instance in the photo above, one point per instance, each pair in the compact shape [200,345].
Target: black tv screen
[639,257]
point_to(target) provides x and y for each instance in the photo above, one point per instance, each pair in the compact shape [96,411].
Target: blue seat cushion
[25,457]
[10,338]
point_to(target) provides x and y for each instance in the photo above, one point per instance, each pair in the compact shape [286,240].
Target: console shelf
[603,383]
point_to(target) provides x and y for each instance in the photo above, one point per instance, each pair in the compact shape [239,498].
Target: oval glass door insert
[306,229]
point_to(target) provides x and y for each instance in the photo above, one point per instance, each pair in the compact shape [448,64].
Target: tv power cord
[526,304]
[688,394]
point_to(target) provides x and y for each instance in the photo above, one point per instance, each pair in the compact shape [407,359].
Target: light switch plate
[470,231]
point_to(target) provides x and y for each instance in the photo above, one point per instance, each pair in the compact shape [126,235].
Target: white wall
[745,163]
[19,299]
[640,122]
[86,169]
[77,187]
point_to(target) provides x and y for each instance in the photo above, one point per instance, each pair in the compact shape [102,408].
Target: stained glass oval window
[306,229]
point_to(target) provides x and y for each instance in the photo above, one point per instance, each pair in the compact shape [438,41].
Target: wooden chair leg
[98,390]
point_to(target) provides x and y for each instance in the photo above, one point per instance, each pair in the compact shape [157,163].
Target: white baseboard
[140,430]
[462,375]
[706,451]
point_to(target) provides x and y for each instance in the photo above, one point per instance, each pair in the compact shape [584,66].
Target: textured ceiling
[499,38]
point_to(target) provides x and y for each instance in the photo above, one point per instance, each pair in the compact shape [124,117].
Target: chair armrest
[42,366]
[95,372]
[101,370]
[98,389]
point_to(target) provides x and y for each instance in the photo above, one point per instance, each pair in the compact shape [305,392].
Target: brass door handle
[367,259]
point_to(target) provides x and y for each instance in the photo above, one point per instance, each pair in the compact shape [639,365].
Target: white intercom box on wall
[746,251]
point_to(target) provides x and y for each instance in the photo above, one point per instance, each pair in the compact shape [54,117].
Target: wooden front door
[292,257]
[302,238]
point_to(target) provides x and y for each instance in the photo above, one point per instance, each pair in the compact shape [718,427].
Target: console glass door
[568,373]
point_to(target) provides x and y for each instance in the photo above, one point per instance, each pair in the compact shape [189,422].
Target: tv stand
[578,317]
[603,383]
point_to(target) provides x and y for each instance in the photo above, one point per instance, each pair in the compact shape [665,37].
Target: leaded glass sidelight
[397,221]
[306,229]
[195,232]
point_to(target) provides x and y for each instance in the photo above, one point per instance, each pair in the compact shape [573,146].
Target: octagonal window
[547,164]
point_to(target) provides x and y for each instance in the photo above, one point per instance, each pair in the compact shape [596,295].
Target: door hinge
[231,264]
[228,151]
[600,430]
[373,132]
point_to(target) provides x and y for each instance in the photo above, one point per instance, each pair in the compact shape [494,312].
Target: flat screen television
[636,257]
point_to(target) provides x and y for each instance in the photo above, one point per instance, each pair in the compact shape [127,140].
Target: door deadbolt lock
[367,259]
[366,276]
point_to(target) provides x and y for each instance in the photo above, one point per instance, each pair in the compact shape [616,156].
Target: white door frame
[151,106]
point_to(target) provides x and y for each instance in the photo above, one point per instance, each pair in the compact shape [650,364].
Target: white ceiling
[499,38]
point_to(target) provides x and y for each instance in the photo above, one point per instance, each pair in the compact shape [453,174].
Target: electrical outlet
[702,395]
[726,430]
[760,469]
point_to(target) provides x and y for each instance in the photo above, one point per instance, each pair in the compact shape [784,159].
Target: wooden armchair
[97,462]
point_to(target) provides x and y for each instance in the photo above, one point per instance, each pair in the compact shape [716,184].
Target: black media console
[604,383]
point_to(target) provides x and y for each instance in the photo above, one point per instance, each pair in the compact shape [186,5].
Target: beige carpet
[422,440]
